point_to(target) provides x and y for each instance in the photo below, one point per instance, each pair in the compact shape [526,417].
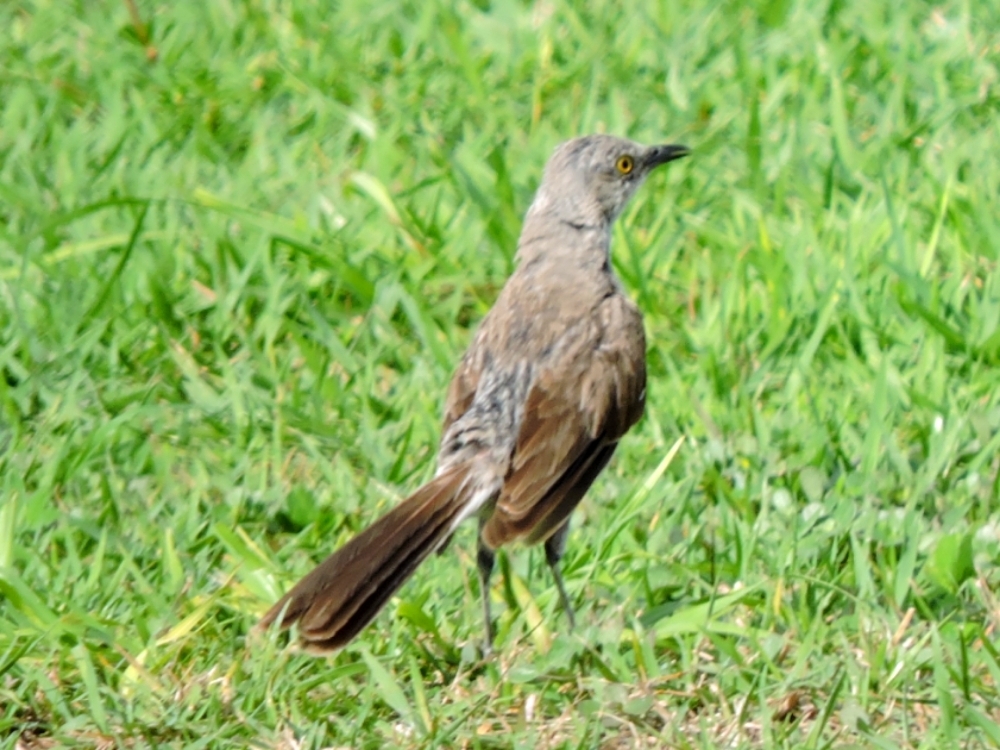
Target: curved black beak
[658,155]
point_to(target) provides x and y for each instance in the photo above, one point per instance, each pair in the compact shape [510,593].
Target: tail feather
[402,554]
[375,597]
[344,592]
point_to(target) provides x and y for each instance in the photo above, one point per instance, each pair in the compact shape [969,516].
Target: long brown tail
[344,592]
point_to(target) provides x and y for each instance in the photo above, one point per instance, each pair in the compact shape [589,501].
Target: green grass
[239,259]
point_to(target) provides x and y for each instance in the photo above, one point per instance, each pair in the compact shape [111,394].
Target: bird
[553,379]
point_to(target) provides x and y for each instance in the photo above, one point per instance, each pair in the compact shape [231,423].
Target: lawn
[243,245]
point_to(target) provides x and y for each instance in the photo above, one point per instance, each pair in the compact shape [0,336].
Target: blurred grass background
[243,244]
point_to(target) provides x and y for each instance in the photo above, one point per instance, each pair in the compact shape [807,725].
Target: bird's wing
[580,404]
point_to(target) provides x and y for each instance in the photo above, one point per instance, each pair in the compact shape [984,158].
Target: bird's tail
[344,592]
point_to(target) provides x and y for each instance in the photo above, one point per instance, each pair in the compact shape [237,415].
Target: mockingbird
[555,376]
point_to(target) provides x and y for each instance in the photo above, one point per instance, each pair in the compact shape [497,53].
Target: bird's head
[589,180]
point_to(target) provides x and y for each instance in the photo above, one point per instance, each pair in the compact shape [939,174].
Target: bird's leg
[484,561]
[555,546]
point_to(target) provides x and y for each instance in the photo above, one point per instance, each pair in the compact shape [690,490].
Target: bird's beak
[658,155]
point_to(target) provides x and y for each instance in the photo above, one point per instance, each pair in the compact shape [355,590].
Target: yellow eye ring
[625,164]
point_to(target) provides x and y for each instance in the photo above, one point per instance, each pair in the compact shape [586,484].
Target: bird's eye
[625,164]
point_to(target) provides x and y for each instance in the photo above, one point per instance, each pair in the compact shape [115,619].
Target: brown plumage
[555,376]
